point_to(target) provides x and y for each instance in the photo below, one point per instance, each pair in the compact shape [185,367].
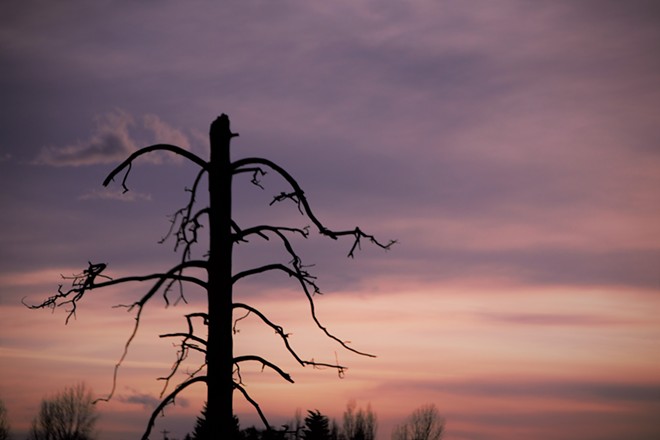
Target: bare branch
[265,363]
[234,327]
[298,196]
[306,281]
[285,337]
[279,231]
[161,278]
[81,283]
[170,398]
[158,147]
[86,281]
[275,266]
[199,344]
[259,230]
[127,344]
[184,225]
[256,172]
[254,404]
[187,336]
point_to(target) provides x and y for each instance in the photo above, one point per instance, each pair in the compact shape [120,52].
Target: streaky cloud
[552,319]
[570,389]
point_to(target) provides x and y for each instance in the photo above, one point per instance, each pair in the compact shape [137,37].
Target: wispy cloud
[110,142]
[109,194]
[117,134]
[147,400]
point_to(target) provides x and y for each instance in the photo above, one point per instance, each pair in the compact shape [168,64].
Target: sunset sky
[511,147]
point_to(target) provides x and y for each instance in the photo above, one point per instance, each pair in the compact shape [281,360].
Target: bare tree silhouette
[425,423]
[69,415]
[359,425]
[221,370]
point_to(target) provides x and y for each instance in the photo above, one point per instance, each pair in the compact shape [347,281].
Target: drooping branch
[158,147]
[285,338]
[306,281]
[298,196]
[162,278]
[240,234]
[124,353]
[306,278]
[167,400]
[253,403]
[265,363]
[277,230]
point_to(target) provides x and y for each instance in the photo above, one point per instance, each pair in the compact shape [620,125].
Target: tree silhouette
[425,423]
[201,430]
[360,424]
[221,370]
[4,423]
[69,415]
[317,426]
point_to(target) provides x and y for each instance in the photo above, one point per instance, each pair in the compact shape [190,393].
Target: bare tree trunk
[219,349]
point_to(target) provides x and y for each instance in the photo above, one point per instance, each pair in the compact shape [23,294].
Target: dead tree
[221,370]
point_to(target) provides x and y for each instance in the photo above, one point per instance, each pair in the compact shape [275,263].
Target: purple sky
[511,147]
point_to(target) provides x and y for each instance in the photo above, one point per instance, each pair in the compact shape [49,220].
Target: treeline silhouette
[71,415]
[360,424]
[424,423]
